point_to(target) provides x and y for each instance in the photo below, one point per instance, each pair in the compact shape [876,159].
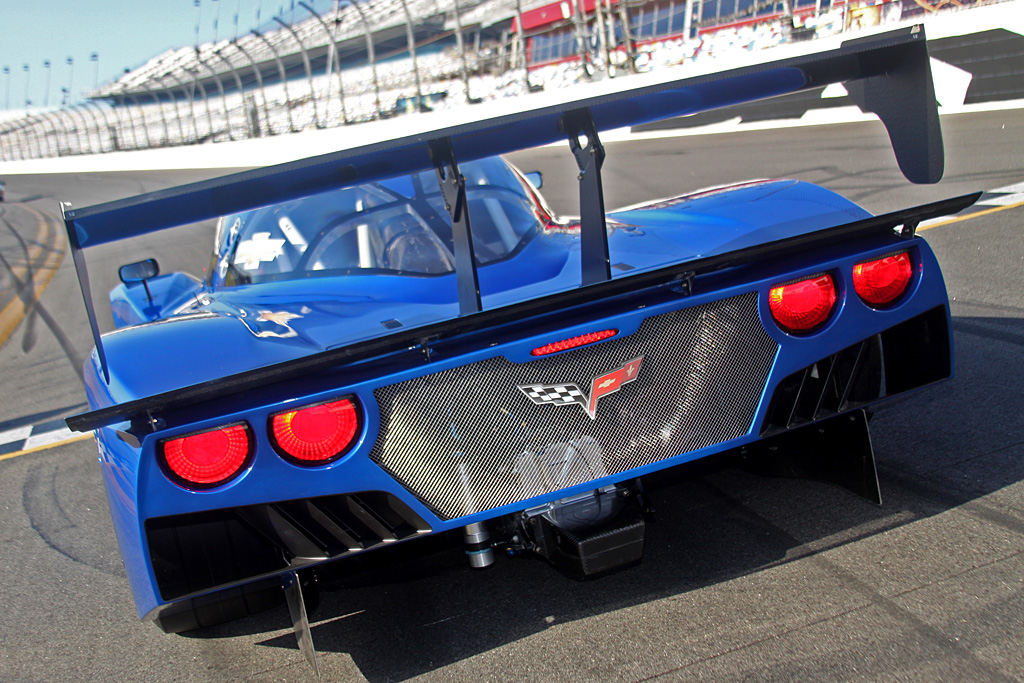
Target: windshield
[397,226]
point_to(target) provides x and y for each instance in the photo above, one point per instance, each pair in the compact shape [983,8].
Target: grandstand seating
[233,89]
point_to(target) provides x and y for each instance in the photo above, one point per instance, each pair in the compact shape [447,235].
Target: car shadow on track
[417,608]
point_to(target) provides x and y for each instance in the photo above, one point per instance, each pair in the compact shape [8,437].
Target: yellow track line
[976,214]
[47,239]
[15,454]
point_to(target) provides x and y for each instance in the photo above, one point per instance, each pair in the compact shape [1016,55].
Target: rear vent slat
[342,534]
[848,384]
[827,384]
[198,552]
[365,516]
[909,355]
[271,521]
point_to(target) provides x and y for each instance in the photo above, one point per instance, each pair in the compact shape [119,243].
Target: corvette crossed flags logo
[568,394]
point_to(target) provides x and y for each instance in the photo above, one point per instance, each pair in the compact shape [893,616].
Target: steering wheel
[325,232]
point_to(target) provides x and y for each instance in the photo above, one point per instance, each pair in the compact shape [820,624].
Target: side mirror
[140,271]
[535,179]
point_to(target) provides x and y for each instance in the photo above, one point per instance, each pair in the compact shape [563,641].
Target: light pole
[7,100]
[71,79]
[216,22]
[95,59]
[28,74]
[46,91]
[199,17]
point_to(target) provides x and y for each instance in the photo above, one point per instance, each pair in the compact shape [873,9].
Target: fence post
[284,78]
[305,64]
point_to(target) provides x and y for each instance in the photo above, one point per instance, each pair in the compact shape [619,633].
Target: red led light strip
[572,343]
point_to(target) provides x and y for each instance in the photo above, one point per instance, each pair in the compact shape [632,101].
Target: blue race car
[402,340]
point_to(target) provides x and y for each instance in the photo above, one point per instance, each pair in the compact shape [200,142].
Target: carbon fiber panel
[474,437]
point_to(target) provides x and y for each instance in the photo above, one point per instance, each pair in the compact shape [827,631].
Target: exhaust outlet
[478,545]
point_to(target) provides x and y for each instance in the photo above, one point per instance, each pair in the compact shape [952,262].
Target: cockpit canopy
[396,226]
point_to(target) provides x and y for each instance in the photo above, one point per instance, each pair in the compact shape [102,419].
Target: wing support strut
[453,189]
[78,256]
[586,147]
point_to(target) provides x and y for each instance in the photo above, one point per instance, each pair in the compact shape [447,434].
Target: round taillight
[208,458]
[881,282]
[803,305]
[316,434]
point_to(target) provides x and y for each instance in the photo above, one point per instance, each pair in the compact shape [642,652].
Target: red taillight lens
[881,282]
[208,458]
[316,434]
[802,306]
[572,343]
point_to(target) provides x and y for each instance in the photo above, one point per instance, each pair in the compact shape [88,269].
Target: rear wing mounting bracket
[453,189]
[588,151]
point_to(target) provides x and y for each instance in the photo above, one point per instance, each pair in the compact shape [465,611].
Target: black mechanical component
[837,450]
[901,92]
[587,535]
[220,606]
[294,595]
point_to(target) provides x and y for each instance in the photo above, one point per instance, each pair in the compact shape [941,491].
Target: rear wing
[887,74]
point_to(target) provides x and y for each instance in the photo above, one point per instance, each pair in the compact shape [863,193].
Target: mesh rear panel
[468,439]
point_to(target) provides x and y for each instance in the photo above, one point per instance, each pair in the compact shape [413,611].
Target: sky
[122,33]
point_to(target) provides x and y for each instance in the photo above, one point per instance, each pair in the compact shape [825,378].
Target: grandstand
[350,61]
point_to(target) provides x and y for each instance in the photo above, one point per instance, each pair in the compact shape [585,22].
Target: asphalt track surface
[745,578]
